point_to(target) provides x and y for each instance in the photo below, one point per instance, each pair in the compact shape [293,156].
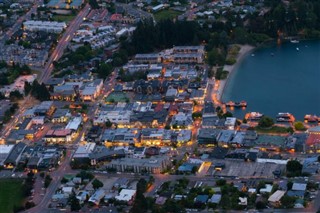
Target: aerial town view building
[159,106]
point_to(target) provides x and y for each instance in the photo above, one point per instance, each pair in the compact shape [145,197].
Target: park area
[11,196]
[63,18]
[115,97]
[166,14]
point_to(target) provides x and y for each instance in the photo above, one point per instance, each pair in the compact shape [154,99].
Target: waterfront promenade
[221,84]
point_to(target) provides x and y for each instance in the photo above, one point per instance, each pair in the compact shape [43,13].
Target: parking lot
[238,168]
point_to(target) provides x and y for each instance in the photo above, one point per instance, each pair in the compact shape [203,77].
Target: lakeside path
[243,52]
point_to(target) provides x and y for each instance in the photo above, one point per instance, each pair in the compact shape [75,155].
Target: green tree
[74,202]
[294,167]
[287,201]
[194,170]
[15,95]
[47,181]
[85,175]
[266,122]
[108,124]
[260,205]
[299,126]
[104,70]
[221,182]
[94,4]
[142,186]
[227,114]
[96,184]
[196,115]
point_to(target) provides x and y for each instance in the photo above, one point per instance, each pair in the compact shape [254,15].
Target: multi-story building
[47,26]
[152,58]
[121,137]
[154,165]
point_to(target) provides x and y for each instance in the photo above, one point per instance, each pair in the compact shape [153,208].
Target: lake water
[278,79]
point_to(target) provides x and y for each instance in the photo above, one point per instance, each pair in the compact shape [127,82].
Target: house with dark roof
[14,156]
[149,118]
[208,136]
[146,87]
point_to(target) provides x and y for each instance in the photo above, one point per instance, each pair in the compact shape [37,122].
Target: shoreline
[243,52]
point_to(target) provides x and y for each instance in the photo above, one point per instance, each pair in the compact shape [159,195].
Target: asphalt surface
[63,42]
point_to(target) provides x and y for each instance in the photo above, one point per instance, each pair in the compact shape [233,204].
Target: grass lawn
[166,14]
[65,18]
[273,129]
[117,97]
[10,195]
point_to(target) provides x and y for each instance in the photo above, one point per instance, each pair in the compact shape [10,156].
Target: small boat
[294,41]
[241,104]
[230,104]
[272,54]
[253,116]
[252,55]
[297,49]
[311,118]
[285,117]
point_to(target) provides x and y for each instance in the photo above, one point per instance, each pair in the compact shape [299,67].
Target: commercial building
[152,58]
[58,136]
[189,58]
[47,26]
[4,152]
[208,137]
[121,137]
[120,117]
[74,124]
[61,116]
[14,156]
[182,120]
[91,90]
[154,165]
[188,49]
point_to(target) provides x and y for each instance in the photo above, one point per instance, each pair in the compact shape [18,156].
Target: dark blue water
[288,81]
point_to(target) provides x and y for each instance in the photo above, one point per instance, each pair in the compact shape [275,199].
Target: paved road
[63,42]
[43,200]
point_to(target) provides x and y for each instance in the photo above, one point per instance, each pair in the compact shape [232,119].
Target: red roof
[313,139]
[159,107]
[115,17]
[173,107]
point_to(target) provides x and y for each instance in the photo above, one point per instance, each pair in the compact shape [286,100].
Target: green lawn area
[273,129]
[65,18]
[166,14]
[117,97]
[10,195]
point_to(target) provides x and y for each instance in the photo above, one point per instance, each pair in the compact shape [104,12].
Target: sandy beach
[244,51]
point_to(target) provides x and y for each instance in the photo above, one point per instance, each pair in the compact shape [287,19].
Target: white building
[230,123]
[118,117]
[126,195]
[182,120]
[48,26]
[74,123]
[91,90]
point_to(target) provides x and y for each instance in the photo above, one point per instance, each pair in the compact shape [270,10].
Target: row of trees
[39,91]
